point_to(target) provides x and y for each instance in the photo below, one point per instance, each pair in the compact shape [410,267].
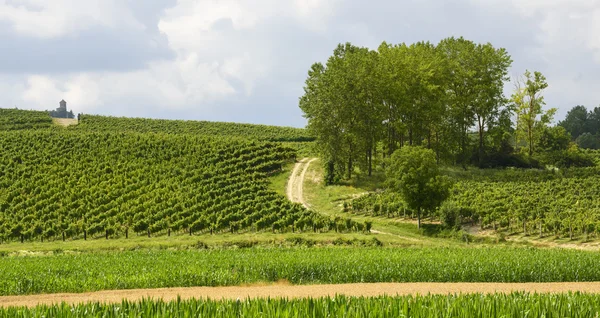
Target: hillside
[78,183]
[16,119]
[145,125]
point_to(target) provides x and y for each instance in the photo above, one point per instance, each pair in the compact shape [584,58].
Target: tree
[528,101]
[554,139]
[576,121]
[414,173]
[588,141]
[491,71]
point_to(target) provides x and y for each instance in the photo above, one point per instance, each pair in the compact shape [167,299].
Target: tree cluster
[584,126]
[447,97]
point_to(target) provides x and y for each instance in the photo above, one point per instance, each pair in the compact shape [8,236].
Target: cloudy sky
[246,61]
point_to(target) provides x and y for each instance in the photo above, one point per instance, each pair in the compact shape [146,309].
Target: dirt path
[298,291]
[295,183]
[65,121]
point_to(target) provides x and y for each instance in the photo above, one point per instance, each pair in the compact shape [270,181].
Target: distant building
[61,111]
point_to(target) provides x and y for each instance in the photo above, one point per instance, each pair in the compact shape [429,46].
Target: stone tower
[63,106]
[61,111]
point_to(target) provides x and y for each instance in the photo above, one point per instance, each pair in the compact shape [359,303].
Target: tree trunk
[370,155]
[429,138]
[84,235]
[419,218]
[63,235]
[570,232]
[350,167]
[481,123]
[126,232]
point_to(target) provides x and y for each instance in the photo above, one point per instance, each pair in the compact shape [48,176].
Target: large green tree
[531,117]
[414,174]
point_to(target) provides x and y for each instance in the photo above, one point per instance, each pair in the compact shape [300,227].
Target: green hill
[16,119]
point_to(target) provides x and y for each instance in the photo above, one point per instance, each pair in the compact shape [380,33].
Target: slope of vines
[144,125]
[78,184]
[562,203]
[16,119]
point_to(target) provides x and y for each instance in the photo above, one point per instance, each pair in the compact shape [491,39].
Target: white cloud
[236,58]
[55,18]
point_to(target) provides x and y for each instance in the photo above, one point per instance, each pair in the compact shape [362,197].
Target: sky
[246,61]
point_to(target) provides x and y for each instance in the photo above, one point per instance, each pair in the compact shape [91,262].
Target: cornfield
[467,305]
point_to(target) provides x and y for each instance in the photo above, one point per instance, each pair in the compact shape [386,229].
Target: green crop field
[76,184]
[82,272]
[15,119]
[562,203]
[474,305]
[144,125]
[189,203]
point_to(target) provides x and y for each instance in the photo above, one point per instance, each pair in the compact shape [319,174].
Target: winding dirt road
[295,183]
[297,291]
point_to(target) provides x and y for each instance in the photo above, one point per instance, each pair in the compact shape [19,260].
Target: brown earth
[297,291]
[295,185]
[65,121]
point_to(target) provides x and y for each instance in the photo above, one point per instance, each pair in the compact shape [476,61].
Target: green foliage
[220,267]
[362,103]
[572,157]
[15,119]
[579,122]
[561,203]
[588,141]
[77,184]
[414,173]
[554,139]
[204,128]
[531,118]
[464,305]
[450,215]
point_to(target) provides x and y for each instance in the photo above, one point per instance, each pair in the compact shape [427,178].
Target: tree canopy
[418,94]
[414,173]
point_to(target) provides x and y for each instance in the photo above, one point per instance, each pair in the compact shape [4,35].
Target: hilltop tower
[61,111]
[63,106]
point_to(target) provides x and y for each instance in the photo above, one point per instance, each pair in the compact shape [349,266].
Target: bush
[450,215]
[568,159]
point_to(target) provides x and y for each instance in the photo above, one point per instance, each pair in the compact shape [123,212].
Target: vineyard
[207,128]
[15,119]
[559,203]
[75,184]
[469,305]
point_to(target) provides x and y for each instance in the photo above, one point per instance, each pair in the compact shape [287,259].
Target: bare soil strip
[297,291]
[65,121]
[295,183]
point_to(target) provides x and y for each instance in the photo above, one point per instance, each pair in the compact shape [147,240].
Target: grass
[472,305]
[68,272]
[278,181]
[329,200]
[182,242]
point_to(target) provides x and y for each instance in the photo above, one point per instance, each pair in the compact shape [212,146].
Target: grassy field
[80,272]
[474,305]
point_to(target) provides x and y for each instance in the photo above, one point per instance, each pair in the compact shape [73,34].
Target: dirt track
[295,183]
[297,291]
[65,121]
